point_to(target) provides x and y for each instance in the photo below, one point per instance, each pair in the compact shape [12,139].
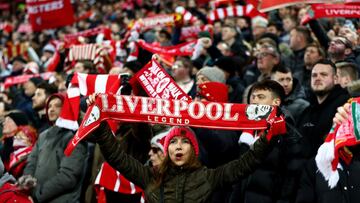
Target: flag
[45,14]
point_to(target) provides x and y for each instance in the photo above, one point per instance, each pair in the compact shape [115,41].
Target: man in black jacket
[316,120]
[277,177]
[294,100]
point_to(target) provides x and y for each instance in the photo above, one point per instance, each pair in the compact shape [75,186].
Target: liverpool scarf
[158,84]
[177,112]
[334,147]
[84,84]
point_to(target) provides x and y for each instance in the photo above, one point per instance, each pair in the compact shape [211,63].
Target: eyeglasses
[155,149]
[264,54]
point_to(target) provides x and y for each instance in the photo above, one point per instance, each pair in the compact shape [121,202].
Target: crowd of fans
[306,70]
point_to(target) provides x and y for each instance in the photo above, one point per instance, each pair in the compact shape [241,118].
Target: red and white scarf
[112,180]
[334,148]
[231,11]
[87,33]
[84,84]
[86,52]
[15,80]
[184,49]
[212,115]
[158,84]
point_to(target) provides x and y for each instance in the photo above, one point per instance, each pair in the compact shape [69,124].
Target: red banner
[24,78]
[158,84]
[212,115]
[87,33]
[184,49]
[266,5]
[45,14]
[334,10]
[161,20]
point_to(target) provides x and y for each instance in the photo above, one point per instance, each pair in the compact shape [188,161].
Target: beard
[39,107]
[336,54]
[323,92]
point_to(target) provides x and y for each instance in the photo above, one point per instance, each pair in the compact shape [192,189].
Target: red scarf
[90,32]
[15,80]
[184,49]
[158,84]
[212,115]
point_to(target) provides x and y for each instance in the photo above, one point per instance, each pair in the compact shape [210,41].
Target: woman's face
[179,150]
[156,156]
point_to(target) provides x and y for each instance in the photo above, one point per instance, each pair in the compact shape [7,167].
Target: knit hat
[214,91]
[185,132]
[18,117]
[227,64]
[214,74]
[159,139]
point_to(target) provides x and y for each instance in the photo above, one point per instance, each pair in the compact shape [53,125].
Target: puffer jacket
[59,178]
[179,185]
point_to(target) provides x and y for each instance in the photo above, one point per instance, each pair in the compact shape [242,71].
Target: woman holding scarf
[180,177]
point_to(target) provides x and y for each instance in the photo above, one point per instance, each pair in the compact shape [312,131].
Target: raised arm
[131,168]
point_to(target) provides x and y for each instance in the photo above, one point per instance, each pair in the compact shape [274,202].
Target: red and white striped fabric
[112,180]
[84,84]
[231,11]
[188,17]
[86,52]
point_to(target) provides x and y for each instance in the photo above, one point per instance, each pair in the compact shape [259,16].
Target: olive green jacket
[179,185]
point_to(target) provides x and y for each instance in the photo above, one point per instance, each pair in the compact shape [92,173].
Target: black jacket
[277,177]
[314,188]
[316,121]
[295,102]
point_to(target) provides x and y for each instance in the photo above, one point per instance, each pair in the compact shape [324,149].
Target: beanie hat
[159,139]
[227,64]
[18,117]
[214,74]
[214,91]
[185,132]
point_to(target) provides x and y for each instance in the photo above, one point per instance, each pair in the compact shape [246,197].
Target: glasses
[264,54]
[155,149]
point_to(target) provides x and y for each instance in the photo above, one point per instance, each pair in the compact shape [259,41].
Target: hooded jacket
[295,102]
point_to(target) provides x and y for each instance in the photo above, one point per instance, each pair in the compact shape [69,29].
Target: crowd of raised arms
[259,101]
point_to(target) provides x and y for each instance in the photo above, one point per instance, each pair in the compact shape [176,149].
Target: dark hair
[134,66]
[164,167]
[49,89]
[274,87]
[165,33]
[88,65]
[327,62]
[305,32]
[318,47]
[186,62]
[281,69]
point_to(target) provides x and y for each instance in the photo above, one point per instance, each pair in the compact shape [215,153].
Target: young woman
[180,177]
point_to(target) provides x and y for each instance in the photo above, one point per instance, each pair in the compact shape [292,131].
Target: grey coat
[59,178]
